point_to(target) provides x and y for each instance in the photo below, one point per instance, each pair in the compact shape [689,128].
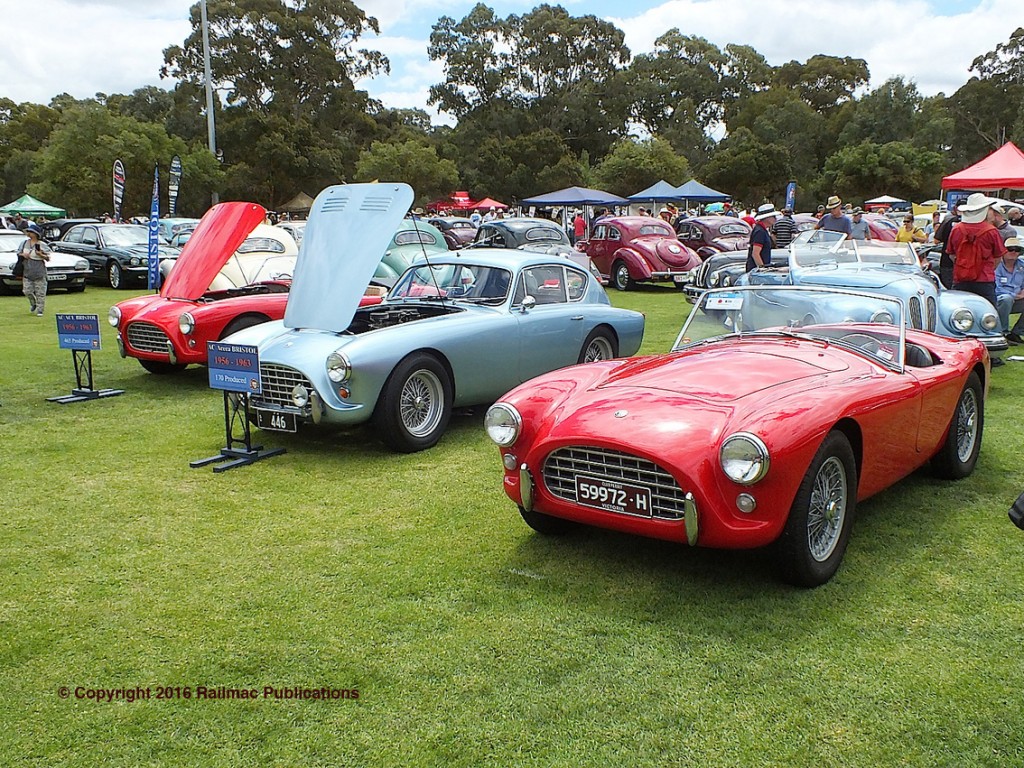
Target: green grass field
[471,640]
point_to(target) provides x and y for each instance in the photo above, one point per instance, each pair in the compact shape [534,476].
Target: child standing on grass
[33,281]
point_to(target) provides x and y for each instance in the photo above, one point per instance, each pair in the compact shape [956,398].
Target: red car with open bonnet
[777,410]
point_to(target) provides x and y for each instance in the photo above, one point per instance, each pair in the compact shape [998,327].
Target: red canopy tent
[1003,169]
[459,201]
[487,203]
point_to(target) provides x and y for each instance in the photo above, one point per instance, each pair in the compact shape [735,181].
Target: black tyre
[546,524]
[600,345]
[415,405]
[241,323]
[620,276]
[5,290]
[115,275]
[161,368]
[959,454]
[814,540]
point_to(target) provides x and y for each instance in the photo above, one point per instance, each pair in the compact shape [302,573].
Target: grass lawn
[471,640]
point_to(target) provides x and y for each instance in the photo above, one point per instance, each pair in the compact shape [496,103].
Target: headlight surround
[989,321]
[713,279]
[503,424]
[339,368]
[299,396]
[882,316]
[744,458]
[82,265]
[726,281]
[186,323]
[114,316]
[962,320]
[135,261]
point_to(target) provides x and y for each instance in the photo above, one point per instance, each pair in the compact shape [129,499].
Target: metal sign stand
[236,412]
[84,390]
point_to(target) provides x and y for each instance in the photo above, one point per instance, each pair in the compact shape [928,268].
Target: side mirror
[528,303]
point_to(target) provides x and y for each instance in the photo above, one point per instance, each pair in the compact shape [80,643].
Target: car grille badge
[621,414]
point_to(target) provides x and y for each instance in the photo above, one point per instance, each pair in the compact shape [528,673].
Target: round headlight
[338,367]
[300,396]
[503,423]
[726,280]
[882,316]
[962,320]
[713,279]
[989,322]
[134,261]
[744,458]
[114,316]
[186,323]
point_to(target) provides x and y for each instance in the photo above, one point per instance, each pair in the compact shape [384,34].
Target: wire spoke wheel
[598,349]
[827,510]
[421,404]
[966,425]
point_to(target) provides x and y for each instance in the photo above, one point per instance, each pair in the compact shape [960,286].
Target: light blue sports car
[457,329]
[826,258]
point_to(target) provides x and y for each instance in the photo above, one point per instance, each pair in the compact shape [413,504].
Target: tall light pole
[211,130]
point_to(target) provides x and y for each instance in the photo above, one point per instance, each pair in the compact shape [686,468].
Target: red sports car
[777,410]
[633,249]
[169,331]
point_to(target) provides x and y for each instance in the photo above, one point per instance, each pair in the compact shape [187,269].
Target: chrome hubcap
[827,509]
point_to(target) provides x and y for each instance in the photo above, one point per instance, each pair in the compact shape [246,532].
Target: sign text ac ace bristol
[234,367]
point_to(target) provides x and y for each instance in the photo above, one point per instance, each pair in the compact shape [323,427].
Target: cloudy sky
[84,47]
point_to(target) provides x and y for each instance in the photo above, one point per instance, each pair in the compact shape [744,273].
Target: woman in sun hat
[759,252]
[35,253]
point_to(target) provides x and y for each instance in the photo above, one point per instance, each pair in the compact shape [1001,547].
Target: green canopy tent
[28,206]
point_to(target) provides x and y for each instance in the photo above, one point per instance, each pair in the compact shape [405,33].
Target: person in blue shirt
[1010,290]
[759,253]
[835,220]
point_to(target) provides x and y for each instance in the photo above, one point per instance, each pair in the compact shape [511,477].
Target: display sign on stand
[81,334]
[235,370]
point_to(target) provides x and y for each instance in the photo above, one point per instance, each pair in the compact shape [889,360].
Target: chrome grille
[146,337]
[278,381]
[700,278]
[563,465]
[915,312]
[932,314]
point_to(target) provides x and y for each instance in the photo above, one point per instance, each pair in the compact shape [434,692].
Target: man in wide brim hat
[835,220]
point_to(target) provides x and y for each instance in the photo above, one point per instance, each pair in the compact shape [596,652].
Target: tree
[412,162]
[749,169]
[635,165]
[24,128]
[897,167]
[824,82]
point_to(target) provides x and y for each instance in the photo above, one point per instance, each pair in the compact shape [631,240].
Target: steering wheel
[868,343]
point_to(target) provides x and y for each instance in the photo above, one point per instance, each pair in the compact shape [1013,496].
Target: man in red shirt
[977,247]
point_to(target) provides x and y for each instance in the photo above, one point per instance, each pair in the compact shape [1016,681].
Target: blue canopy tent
[694,190]
[661,192]
[575,196]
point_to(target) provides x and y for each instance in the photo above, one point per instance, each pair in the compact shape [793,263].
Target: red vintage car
[777,410]
[881,227]
[708,235]
[169,331]
[637,249]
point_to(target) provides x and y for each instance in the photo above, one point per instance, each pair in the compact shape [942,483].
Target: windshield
[870,324]
[822,248]
[465,282]
[545,233]
[126,235]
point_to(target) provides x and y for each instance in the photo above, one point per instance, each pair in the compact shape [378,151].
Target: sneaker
[1014,338]
[997,361]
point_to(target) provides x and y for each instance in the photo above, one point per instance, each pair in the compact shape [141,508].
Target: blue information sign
[234,367]
[80,332]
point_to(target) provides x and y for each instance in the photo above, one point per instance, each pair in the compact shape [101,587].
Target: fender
[639,268]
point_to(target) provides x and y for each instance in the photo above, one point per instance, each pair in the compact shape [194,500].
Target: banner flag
[173,182]
[118,188]
[153,278]
[791,196]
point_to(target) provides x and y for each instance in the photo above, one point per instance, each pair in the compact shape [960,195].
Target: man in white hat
[759,252]
[976,247]
[835,220]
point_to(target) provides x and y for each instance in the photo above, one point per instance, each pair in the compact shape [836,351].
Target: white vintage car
[268,253]
[63,270]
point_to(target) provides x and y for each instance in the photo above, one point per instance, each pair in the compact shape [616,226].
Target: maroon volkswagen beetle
[708,235]
[633,249]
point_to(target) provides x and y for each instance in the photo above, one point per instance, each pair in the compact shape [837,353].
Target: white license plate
[56,277]
[681,278]
[613,496]
[277,421]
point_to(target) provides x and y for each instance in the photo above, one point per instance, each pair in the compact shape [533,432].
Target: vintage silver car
[828,259]
[456,330]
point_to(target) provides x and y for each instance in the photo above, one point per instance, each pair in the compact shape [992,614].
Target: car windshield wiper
[788,334]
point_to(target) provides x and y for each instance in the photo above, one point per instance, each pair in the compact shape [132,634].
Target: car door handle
[576,317]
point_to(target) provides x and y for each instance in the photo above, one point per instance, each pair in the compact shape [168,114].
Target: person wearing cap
[35,253]
[784,229]
[759,252]
[999,221]
[1014,216]
[819,212]
[835,220]
[859,229]
[908,233]
[728,211]
[1010,290]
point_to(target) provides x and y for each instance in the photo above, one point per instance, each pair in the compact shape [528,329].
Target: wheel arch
[250,315]
[638,267]
[852,431]
[440,356]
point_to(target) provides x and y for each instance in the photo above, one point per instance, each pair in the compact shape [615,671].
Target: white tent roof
[884,200]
